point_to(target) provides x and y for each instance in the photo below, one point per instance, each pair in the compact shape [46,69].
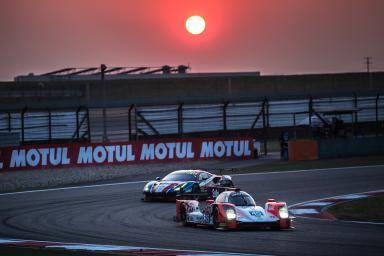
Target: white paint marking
[95,247]
[318,204]
[309,170]
[350,197]
[363,222]
[6,241]
[304,211]
[76,187]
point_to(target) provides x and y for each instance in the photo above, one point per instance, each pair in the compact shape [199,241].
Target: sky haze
[273,37]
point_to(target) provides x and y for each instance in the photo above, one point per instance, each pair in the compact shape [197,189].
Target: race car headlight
[283,212]
[231,214]
[146,187]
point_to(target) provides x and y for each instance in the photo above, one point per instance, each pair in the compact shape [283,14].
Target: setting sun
[195,25]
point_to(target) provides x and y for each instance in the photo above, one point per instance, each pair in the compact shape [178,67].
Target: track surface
[115,215]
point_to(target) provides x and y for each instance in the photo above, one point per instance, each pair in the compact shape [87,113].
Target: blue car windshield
[180,177]
[239,199]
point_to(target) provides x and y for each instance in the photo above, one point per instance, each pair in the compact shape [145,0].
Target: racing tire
[195,191]
[215,217]
[147,198]
[183,217]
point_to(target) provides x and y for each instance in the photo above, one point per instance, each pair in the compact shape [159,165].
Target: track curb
[317,209]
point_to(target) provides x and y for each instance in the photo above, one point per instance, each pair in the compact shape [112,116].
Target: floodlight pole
[368,62]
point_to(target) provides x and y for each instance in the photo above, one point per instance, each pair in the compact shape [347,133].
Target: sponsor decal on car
[257,214]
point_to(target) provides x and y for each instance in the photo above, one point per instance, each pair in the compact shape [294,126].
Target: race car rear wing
[220,171]
[212,193]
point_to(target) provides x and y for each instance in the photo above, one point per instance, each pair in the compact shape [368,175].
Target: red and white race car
[232,210]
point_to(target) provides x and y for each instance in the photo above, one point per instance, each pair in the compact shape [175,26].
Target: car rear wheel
[215,216]
[195,191]
[183,217]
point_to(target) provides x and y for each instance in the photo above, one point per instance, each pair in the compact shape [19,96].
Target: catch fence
[135,122]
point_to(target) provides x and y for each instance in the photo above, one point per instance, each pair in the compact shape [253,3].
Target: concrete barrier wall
[346,147]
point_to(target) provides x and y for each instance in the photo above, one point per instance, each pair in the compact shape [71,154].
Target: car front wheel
[147,198]
[215,216]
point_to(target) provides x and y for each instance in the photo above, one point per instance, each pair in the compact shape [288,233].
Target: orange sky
[274,37]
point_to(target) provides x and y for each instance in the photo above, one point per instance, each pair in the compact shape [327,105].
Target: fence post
[49,125]
[180,119]
[355,123]
[130,122]
[137,133]
[9,122]
[265,129]
[78,124]
[377,113]
[225,115]
[22,125]
[294,126]
[89,125]
[267,110]
[310,113]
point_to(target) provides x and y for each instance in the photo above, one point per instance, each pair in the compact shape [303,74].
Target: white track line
[239,174]
[76,187]
[111,248]
[309,170]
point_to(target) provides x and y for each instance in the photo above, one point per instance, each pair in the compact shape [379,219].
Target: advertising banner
[123,153]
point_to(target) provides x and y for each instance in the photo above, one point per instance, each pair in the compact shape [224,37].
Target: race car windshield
[180,177]
[241,200]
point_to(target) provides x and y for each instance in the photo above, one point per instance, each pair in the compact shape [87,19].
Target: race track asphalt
[114,214]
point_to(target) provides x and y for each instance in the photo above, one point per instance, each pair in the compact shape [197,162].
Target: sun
[195,25]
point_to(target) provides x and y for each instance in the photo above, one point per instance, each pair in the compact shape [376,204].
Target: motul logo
[40,157]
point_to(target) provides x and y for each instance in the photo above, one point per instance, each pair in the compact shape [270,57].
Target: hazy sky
[271,36]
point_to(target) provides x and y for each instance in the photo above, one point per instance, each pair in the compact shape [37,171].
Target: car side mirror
[158,178]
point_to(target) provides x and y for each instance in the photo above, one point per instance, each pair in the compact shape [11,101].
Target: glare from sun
[195,25]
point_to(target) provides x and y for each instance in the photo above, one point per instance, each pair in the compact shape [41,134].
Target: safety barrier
[346,147]
[335,147]
[120,153]
[303,150]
